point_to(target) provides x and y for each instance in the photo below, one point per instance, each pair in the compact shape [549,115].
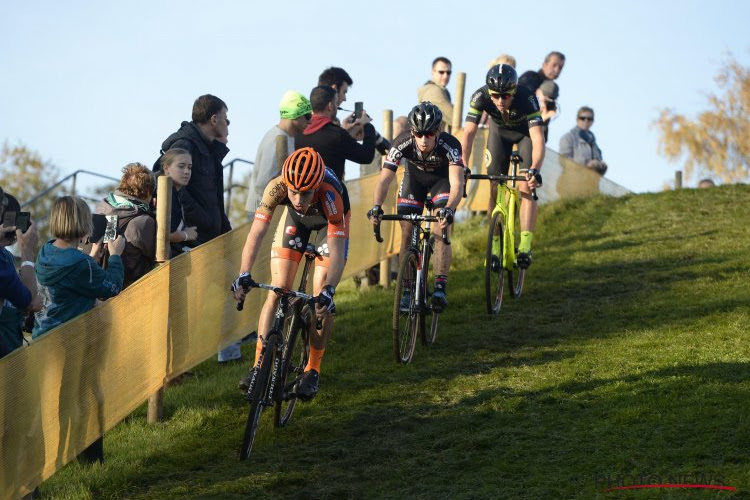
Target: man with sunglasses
[515,118]
[277,145]
[435,91]
[580,144]
[435,169]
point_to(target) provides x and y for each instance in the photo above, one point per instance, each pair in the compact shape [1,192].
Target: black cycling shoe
[246,381]
[523,259]
[309,385]
[439,301]
[495,264]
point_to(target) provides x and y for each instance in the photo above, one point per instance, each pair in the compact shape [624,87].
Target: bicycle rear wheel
[516,275]
[494,275]
[294,360]
[406,322]
[258,397]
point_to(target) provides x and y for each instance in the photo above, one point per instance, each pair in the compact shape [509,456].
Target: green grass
[627,357]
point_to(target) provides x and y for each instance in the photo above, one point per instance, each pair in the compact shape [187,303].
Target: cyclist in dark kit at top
[514,119]
[434,169]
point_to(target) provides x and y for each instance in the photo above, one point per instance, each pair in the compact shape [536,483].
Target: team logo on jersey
[323,249]
[296,243]
[330,201]
[291,230]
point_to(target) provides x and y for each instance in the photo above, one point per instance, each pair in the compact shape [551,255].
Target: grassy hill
[625,362]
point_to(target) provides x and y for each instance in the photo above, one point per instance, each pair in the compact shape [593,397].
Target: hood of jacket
[54,265]
[126,205]
[317,123]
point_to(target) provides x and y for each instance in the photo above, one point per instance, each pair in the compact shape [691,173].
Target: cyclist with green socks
[515,120]
[434,169]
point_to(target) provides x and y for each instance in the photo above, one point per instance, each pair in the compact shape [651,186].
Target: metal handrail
[56,184]
[228,190]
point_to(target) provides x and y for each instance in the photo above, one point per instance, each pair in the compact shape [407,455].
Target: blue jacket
[70,282]
[14,299]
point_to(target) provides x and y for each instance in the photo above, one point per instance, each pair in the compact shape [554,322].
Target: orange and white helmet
[303,170]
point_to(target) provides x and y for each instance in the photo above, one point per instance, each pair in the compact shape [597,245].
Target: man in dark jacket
[334,143]
[205,139]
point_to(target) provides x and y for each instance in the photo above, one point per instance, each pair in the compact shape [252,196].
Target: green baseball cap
[293,105]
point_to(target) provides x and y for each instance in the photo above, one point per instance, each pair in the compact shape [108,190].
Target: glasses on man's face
[444,71]
[419,135]
[497,95]
[586,118]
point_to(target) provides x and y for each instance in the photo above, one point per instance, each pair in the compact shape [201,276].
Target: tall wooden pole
[458,105]
[163,226]
[385,270]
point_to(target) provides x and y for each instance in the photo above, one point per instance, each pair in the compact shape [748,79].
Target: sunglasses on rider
[443,72]
[431,133]
[586,118]
[498,95]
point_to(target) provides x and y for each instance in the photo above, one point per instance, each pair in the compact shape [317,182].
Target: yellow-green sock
[526,239]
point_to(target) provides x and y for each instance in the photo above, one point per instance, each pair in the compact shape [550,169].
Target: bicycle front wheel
[258,397]
[428,336]
[294,359]
[406,313]
[494,275]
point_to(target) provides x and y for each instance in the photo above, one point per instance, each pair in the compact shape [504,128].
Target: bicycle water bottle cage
[516,158]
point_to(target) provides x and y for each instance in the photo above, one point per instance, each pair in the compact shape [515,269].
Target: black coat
[336,146]
[206,186]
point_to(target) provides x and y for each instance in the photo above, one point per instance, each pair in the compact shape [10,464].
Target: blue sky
[95,85]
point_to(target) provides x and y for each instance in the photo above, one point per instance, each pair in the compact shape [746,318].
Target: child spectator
[177,164]
[70,280]
[131,203]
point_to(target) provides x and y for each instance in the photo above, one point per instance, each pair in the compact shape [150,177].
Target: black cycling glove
[447,214]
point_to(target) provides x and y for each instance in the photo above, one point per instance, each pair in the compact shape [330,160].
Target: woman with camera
[19,292]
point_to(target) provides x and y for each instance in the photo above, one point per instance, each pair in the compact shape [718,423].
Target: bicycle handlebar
[410,218]
[248,283]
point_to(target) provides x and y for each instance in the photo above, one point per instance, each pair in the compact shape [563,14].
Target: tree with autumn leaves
[717,142]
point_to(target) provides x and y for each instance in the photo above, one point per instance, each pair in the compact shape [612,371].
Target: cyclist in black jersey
[434,168]
[515,118]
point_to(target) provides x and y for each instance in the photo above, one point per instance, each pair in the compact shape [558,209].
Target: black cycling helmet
[502,78]
[425,117]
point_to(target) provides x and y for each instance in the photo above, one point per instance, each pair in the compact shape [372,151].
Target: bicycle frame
[507,203]
[276,333]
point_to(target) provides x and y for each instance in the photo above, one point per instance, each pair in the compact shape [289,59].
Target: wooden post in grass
[458,106]
[678,179]
[385,268]
[163,226]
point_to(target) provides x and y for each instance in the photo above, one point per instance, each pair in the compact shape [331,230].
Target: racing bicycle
[412,281]
[503,237]
[284,355]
